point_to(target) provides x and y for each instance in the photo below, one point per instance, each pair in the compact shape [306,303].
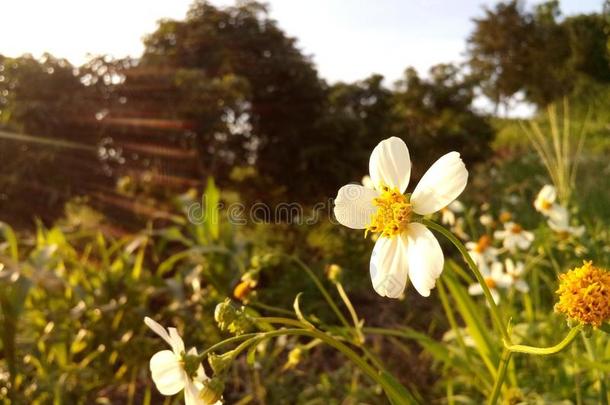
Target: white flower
[515,271]
[448,212]
[404,249]
[559,221]
[494,279]
[482,252]
[545,199]
[486,220]
[167,367]
[514,236]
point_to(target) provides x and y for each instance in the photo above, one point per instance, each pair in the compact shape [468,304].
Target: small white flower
[482,252]
[514,236]
[494,279]
[486,220]
[545,199]
[448,212]
[404,249]
[559,221]
[515,272]
[167,367]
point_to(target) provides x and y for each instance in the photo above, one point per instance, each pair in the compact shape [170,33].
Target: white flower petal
[441,184]
[177,342]
[425,258]
[158,329]
[167,372]
[390,164]
[547,195]
[475,289]
[354,206]
[389,271]
[191,394]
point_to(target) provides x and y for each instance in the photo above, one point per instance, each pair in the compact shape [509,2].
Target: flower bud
[231,319]
[212,391]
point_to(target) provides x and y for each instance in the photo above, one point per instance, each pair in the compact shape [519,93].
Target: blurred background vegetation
[99,163]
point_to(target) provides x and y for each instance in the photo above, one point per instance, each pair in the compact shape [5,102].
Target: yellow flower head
[393,213]
[584,294]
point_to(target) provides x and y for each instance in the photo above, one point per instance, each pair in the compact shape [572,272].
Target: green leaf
[11,239]
[399,395]
[476,326]
[210,201]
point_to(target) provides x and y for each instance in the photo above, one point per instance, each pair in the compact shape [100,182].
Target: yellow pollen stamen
[483,244]
[546,205]
[490,282]
[584,294]
[393,213]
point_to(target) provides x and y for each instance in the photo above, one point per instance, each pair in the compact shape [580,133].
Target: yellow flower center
[505,216]
[483,244]
[491,283]
[516,229]
[546,205]
[393,213]
[584,294]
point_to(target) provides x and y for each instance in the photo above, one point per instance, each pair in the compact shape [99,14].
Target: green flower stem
[322,289]
[495,393]
[352,311]
[495,312]
[545,351]
[292,322]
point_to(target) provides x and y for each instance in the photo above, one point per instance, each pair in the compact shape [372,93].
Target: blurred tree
[512,50]
[42,101]
[267,97]
[436,116]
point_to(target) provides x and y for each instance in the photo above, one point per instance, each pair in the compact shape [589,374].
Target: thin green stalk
[322,289]
[495,393]
[352,311]
[475,270]
[545,351]
[344,349]
[270,308]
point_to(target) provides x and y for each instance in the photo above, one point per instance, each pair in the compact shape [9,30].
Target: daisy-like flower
[482,252]
[515,271]
[404,249]
[559,221]
[584,294]
[168,368]
[514,236]
[448,212]
[545,200]
[496,278]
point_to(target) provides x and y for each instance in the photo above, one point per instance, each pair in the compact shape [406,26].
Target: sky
[348,40]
